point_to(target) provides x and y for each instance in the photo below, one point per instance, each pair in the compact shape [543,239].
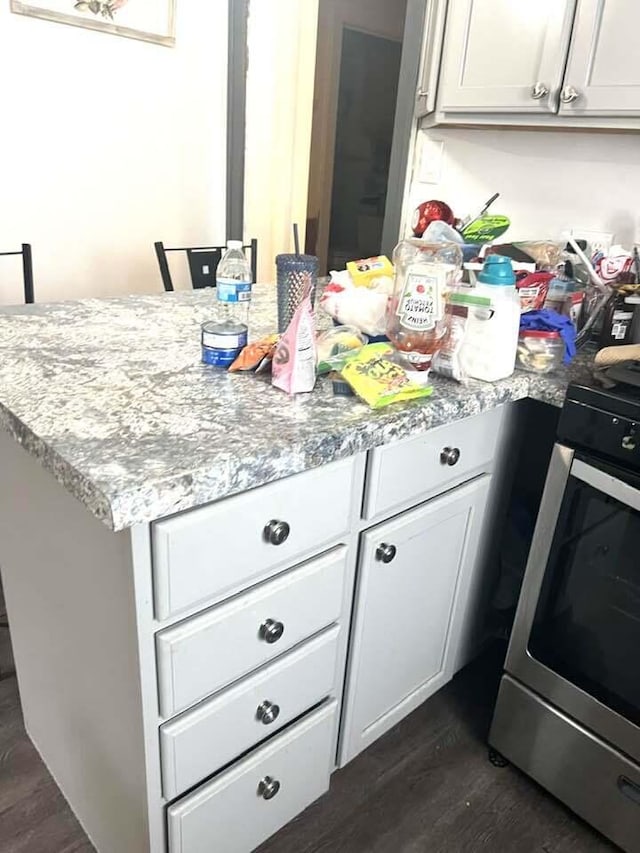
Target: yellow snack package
[364,272]
[378,380]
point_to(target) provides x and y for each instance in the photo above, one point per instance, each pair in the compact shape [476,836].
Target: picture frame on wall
[147,20]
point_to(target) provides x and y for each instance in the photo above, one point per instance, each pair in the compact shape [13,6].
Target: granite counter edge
[164,499]
[76,483]
[153,501]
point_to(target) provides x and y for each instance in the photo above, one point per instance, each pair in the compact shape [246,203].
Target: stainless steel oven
[568,710]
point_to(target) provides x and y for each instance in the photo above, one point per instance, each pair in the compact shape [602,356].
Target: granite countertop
[111,396]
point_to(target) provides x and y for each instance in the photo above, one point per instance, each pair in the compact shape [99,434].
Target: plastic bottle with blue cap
[491,333]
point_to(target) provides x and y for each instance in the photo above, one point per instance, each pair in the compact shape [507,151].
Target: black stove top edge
[622,401]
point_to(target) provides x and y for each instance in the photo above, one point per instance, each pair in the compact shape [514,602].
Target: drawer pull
[268,788]
[450,456]
[271,631]
[267,712]
[277,532]
[385,553]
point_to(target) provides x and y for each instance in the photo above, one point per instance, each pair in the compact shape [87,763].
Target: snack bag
[618,261]
[533,290]
[254,355]
[377,380]
[294,360]
[365,271]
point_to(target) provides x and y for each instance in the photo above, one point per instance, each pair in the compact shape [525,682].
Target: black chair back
[203,262]
[27,270]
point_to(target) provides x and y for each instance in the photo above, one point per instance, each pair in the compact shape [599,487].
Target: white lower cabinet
[413,582]
[246,804]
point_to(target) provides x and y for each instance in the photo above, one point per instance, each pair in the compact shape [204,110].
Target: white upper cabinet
[603,72]
[505,56]
[431,56]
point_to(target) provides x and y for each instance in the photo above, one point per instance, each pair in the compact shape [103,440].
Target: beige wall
[281,50]
[378,17]
[107,145]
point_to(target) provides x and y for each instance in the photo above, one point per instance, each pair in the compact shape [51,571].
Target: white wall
[106,145]
[548,180]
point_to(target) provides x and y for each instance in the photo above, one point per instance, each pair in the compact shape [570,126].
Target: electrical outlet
[431,154]
[597,241]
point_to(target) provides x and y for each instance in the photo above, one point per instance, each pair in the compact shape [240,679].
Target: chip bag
[533,290]
[294,360]
[378,380]
[254,356]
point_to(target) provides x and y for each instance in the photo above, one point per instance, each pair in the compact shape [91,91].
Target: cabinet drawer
[209,651]
[222,548]
[411,470]
[234,812]
[206,738]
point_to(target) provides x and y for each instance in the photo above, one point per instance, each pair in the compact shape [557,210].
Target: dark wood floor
[426,787]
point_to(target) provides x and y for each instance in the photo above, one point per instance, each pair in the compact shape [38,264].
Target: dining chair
[203,263]
[27,270]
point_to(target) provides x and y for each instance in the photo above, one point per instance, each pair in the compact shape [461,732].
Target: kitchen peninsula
[177,596]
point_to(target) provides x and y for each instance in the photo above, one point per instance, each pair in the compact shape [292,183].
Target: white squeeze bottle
[233,285]
[491,333]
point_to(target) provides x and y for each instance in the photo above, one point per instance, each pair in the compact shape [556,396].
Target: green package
[378,380]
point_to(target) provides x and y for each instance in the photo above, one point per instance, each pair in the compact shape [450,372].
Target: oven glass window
[587,624]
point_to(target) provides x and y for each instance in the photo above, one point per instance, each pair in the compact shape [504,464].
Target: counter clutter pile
[429,312]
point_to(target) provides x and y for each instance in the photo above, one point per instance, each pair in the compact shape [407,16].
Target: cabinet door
[412,586]
[603,72]
[504,56]
[431,57]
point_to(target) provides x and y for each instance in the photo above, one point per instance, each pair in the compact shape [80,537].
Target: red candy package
[533,289]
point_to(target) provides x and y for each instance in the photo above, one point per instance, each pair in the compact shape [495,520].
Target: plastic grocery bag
[294,361]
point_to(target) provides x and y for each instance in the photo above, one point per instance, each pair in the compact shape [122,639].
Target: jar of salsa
[424,273]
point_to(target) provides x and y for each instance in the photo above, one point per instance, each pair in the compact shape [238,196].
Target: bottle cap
[497,270]
[234,244]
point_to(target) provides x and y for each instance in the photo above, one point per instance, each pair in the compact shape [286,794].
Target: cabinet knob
[450,456]
[267,712]
[271,631]
[385,553]
[277,532]
[568,95]
[268,788]
[539,90]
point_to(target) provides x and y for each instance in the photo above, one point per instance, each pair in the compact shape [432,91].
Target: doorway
[358,67]
[367,95]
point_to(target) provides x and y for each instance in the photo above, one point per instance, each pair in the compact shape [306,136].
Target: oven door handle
[606,483]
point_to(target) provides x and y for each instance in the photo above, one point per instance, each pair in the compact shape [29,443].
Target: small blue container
[222,343]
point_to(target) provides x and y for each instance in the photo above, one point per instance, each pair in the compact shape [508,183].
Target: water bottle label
[231,290]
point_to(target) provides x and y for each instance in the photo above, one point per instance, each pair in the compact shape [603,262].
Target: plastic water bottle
[233,285]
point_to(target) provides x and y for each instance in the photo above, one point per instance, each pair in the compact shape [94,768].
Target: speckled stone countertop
[111,397]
